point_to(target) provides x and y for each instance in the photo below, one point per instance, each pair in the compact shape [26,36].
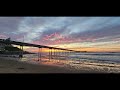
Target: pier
[53,51]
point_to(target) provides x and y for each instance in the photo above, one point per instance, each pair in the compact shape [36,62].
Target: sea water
[103,57]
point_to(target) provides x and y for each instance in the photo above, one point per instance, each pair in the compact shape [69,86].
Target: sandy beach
[13,65]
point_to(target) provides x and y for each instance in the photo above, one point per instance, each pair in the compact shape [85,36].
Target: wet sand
[13,65]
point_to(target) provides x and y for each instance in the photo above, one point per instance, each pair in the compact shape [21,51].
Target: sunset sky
[98,34]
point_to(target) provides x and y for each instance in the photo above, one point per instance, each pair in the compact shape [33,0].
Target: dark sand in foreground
[14,66]
[11,65]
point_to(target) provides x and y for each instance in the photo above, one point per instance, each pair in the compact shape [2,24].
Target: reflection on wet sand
[76,64]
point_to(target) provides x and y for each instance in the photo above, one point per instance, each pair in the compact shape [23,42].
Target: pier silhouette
[53,51]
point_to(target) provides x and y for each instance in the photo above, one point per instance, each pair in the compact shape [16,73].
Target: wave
[98,57]
[115,54]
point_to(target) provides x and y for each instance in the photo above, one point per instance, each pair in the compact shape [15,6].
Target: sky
[94,34]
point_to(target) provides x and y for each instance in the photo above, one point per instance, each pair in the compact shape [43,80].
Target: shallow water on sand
[95,61]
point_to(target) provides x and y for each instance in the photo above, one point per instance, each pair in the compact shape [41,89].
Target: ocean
[103,57]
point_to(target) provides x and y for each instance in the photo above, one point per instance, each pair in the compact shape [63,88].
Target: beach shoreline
[14,65]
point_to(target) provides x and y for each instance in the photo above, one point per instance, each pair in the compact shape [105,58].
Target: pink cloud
[56,38]
[2,36]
